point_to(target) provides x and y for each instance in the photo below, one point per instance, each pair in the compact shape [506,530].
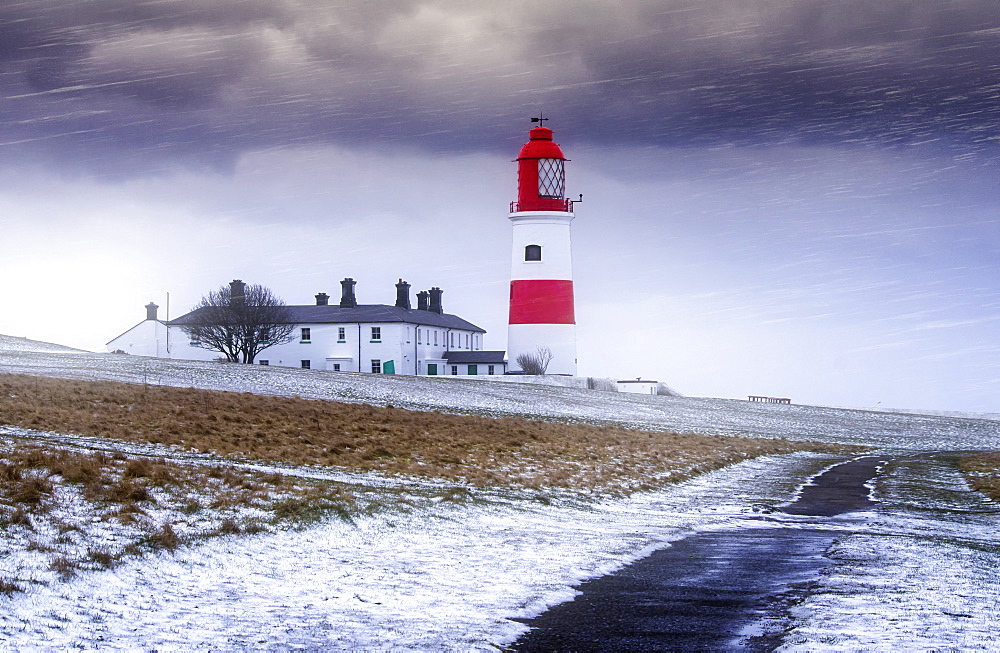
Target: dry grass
[125,487]
[9,587]
[50,498]
[982,470]
[57,506]
[505,452]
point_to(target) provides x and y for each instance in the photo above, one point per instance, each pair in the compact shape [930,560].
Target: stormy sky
[794,198]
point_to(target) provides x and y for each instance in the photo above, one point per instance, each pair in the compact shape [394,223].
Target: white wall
[638,387]
[551,230]
[559,338]
[148,338]
[355,352]
[482,369]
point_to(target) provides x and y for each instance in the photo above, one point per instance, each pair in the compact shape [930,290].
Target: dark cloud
[101,84]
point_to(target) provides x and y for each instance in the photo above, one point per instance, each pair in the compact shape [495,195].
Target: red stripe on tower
[541,301]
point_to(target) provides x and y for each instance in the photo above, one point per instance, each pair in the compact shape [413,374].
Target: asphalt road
[714,591]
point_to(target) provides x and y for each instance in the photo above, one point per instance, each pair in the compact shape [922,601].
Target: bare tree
[535,363]
[239,321]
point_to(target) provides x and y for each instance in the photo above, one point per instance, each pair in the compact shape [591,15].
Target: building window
[376,366]
[551,178]
[533,253]
[418,337]
[454,370]
[342,334]
[376,334]
[336,367]
[306,365]
[490,370]
[466,340]
[265,362]
[451,339]
[407,334]
[435,337]
[306,333]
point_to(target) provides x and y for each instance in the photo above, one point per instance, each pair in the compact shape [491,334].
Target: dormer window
[533,253]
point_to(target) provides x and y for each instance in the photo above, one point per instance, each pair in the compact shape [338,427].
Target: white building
[348,337]
[639,386]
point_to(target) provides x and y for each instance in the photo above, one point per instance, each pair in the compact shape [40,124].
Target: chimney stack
[435,306]
[151,311]
[403,295]
[422,300]
[347,299]
[237,293]
[322,299]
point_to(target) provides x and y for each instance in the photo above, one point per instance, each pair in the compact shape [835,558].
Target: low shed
[638,386]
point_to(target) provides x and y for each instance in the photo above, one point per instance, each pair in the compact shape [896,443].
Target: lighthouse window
[551,178]
[533,253]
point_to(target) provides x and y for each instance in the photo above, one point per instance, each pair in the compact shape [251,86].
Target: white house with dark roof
[347,337]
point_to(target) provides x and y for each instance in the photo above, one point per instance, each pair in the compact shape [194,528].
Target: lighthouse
[542,320]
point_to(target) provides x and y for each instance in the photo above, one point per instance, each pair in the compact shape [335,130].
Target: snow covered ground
[916,573]
[920,575]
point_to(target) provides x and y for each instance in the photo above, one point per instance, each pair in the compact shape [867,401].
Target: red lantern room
[541,176]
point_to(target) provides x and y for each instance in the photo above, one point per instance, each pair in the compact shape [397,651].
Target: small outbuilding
[638,386]
[475,362]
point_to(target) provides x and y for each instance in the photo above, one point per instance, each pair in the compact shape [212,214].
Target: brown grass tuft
[165,537]
[230,526]
[126,491]
[9,472]
[64,566]
[30,491]
[982,471]
[103,557]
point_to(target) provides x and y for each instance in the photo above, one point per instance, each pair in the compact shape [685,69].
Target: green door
[473,369]
[432,369]
[389,367]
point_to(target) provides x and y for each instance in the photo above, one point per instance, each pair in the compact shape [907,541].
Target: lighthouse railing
[556,205]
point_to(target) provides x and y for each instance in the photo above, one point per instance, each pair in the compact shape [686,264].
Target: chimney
[403,295]
[435,306]
[347,299]
[422,300]
[322,299]
[151,311]
[237,293]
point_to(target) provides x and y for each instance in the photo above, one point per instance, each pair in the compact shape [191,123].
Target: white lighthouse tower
[542,317]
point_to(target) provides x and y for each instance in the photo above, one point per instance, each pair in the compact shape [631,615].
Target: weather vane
[540,119]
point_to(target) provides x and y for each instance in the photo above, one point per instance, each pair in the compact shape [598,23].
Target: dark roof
[474,356]
[334,314]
